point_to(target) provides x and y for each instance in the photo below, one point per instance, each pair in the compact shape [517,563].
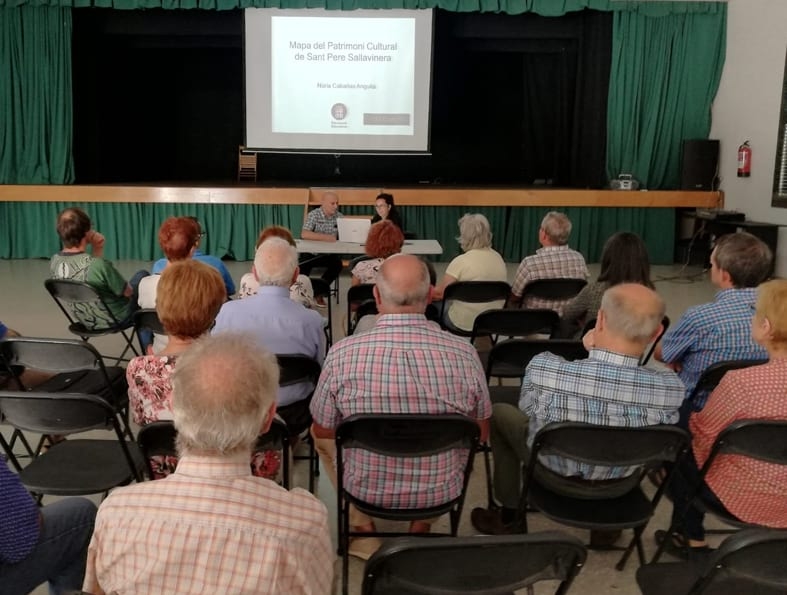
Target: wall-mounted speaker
[699,164]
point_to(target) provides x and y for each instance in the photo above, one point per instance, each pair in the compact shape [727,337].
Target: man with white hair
[405,364]
[609,388]
[278,323]
[554,260]
[211,527]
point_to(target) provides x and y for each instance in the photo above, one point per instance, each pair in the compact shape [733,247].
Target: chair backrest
[51,355]
[553,289]
[81,303]
[294,369]
[665,322]
[517,353]
[765,440]
[157,439]
[515,323]
[148,319]
[492,565]
[713,374]
[361,297]
[611,446]
[477,292]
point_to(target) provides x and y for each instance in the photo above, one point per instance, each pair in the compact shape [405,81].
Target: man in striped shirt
[211,527]
[609,388]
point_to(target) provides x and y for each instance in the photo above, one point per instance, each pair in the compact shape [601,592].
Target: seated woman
[753,491]
[301,291]
[624,259]
[385,210]
[478,263]
[384,240]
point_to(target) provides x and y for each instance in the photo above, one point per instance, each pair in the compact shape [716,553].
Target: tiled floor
[25,306]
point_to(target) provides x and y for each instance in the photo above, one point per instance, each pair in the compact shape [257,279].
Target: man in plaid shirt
[554,260]
[406,364]
[320,223]
[609,388]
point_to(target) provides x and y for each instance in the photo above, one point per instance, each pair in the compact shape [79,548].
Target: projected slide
[338,80]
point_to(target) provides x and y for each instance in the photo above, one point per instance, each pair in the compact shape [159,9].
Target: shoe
[490,522]
[604,539]
[677,546]
[364,547]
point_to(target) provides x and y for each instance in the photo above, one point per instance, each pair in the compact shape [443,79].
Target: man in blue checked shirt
[609,388]
[721,330]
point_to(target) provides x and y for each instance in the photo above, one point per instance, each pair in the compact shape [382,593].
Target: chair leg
[490,498]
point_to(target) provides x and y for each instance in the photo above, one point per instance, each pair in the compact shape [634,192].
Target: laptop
[353,230]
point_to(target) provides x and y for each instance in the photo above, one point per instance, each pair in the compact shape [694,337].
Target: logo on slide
[339,111]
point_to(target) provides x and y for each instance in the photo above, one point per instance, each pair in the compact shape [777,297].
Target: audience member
[478,263]
[624,259]
[721,330]
[608,388]
[73,262]
[301,291]
[753,491]
[197,254]
[554,260]
[41,544]
[211,527]
[320,224]
[385,210]
[278,323]
[404,365]
[384,240]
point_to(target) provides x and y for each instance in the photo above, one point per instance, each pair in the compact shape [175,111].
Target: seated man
[320,224]
[278,323]
[752,491]
[608,388]
[75,263]
[211,527]
[554,260]
[197,254]
[720,330]
[41,544]
[405,364]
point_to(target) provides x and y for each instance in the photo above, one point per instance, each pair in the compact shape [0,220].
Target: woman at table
[478,263]
[301,291]
[385,210]
[384,240]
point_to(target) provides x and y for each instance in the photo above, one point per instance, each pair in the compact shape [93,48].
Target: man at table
[320,224]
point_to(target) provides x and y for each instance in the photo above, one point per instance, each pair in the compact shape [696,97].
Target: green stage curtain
[232,230]
[35,96]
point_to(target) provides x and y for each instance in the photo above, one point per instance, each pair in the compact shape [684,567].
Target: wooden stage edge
[412,196]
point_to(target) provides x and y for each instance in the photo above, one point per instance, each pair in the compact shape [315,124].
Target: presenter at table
[320,224]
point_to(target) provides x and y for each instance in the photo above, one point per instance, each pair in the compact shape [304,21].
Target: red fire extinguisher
[744,160]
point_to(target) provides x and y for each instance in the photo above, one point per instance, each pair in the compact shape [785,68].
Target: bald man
[406,364]
[320,224]
[608,388]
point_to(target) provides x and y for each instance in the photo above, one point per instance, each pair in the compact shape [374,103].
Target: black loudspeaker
[699,168]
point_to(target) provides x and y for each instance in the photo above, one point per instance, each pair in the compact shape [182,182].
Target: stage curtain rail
[27,229]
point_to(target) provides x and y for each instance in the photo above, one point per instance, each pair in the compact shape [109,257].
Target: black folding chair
[553,289]
[295,369]
[665,322]
[360,297]
[759,439]
[712,376]
[77,367]
[643,448]
[147,320]
[514,323]
[157,439]
[402,436]
[327,267]
[492,565]
[751,562]
[88,314]
[75,466]
[472,292]
[323,289]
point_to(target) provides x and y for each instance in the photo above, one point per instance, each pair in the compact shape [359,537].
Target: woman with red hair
[385,239]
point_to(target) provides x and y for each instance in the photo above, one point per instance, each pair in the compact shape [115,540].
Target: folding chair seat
[77,368]
[294,369]
[408,436]
[751,562]
[360,297]
[757,439]
[553,289]
[88,314]
[74,466]
[491,565]
[643,448]
[472,292]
